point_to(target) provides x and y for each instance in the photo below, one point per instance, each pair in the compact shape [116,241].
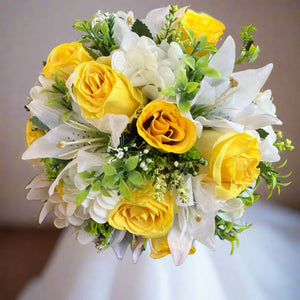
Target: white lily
[233,94]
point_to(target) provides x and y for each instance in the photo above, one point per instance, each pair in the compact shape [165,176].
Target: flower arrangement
[145,135]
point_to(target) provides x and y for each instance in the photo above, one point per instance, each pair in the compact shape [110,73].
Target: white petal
[138,250]
[85,237]
[156,18]
[61,223]
[179,241]
[121,247]
[38,194]
[220,124]
[88,160]
[113,124]
[223,61]
[40,181]
[49,115]
[47,208]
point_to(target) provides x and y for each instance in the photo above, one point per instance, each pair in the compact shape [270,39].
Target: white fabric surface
[265,266]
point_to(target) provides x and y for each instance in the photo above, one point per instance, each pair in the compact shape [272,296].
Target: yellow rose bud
[202,24]
[32,133]
[100,90]
[64,59]
[162,126]
[232,161]
[143,214]
[160,247]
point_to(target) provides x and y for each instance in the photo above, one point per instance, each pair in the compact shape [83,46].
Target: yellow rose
[202,24]
[162,126]
[65,58]
[143,214]
[100,90]
[232,161]
[32,133]
[160,247]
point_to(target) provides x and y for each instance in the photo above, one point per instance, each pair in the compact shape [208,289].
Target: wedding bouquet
[145,135]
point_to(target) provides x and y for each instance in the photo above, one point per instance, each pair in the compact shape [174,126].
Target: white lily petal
[47,208]
[38,194]
[220,124]
[39,181]
[138,250]
[204,231]
[223,61]
[46,146]
[205,197]
[85,237]
[156,18]
[112,124]
[179,241]
[49,115]
[121,247]
[56,182]
[88,160]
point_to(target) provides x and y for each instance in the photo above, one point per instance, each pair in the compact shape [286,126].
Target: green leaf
[38,124]
[104,191]
[66,115]
[108,169]
[202,40]
[191,34]
[96,186]
[81,196]
[104,29]
[210,72]
[135,178]
[141,29]
[124,190]
[189,61]
[79,25]
[202,62]
[85,175]
[184,105]
[181,80]
[54,102]
[191,86]
[170,91]
[210,48]
[110,180]
[131,163]
[262,133]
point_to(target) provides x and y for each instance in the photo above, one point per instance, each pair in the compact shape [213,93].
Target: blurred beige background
[31,28]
